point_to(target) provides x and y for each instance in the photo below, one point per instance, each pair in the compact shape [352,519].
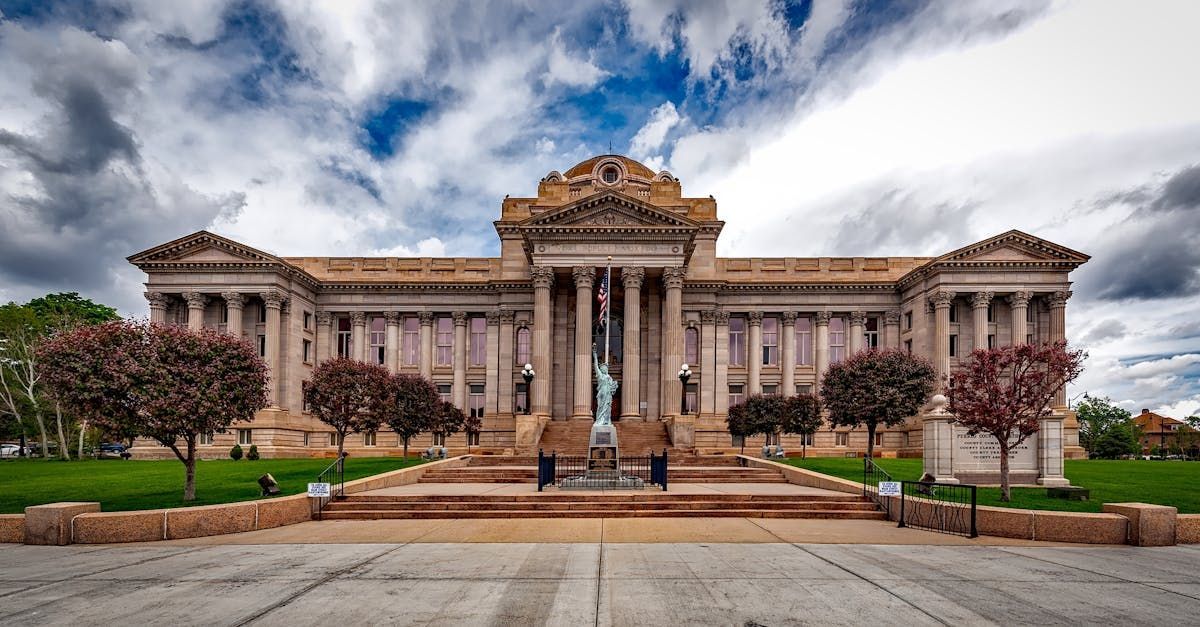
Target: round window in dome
[610,174]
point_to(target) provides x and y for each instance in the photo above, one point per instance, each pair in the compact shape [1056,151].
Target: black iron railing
[335,476]
[872,475]
[553,468]
[940,507]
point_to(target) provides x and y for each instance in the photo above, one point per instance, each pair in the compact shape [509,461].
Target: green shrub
[253,454]
[236,452]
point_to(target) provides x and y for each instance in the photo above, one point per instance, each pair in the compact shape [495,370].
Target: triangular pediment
[609,209]
[1014,246]
[202,247]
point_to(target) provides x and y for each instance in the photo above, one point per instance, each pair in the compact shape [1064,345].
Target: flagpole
[607,307]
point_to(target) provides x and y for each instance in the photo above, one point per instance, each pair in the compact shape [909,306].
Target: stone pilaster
[543,279]
[980,301]
[1018,303]
[1057,302]
[491,370]
[754,353]
[585,277]
[235,304]
[158,306]
[506,362]
[358,335]
[672,338]
[391,341]
[631,364]
[821,354]
[324,335]
[941,301]
[787,354]
[891,328]
[858,321]
[426,356]
[459,393]
[196,302]
[274,300]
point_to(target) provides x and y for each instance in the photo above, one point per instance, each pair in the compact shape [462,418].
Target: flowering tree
[801,415]
[873,388]
[1005,391]
[413,407]
[349,395]
[165,382]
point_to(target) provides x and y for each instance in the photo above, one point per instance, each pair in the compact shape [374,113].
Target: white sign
[318,489]
[889,488]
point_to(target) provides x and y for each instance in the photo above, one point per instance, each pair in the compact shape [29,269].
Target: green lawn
[126,485]
[1111,481]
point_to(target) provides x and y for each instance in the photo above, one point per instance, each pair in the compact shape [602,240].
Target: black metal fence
[335,476]
[553,468]
[941,507]
[872,475]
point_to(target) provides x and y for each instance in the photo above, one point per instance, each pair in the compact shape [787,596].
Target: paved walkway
[597,584]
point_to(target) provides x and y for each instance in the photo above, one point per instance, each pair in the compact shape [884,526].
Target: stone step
[599,513]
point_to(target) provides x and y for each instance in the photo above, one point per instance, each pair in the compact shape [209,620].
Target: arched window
[522,352]
[691,343]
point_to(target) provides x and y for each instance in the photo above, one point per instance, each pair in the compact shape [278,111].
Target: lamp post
[684,374]
[527,373]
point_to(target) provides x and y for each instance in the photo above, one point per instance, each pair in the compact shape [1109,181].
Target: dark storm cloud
[1153,253]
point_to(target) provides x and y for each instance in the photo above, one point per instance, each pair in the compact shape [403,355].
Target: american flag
[602,297]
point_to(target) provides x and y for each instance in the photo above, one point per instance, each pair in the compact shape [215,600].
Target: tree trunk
[870,440]
[1005,491]
[189,478]
[64,447]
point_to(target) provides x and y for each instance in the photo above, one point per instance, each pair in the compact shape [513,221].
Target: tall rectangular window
[521,398]
[691,345]
[736,394]
[871,334]
[522,352]
[445,341]
[343,337]
[410,345]
[737,341]
[770,341]
[475,400]
[837,340]
[444,392]
[378,339]
[478,341]
[804,344]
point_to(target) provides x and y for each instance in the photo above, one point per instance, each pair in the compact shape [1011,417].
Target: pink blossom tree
[164,382]
[873,388]
[349,395]
[1004,392]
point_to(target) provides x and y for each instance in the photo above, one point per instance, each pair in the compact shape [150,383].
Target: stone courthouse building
[743,325]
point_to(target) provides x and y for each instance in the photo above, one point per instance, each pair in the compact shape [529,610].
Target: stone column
[543,280]
[391,342]
[235,304]
[158,307]
[788,354]
[821,355]
[492,371]
[672,339]
[941,299]
[195,304]
[506,363]
[358,335]
[585,277]
[980,301]
[273,299]
[708,361]
[754,352]
[459,394]
[1019,302]
[858,320]
[721,384]
[891,328]
[426,350]
[631,365]
[1058,331]
[325,347]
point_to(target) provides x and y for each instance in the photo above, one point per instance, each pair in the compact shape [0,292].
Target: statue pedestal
[603,465]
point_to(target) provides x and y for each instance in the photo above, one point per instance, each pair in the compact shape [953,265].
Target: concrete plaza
[586,583]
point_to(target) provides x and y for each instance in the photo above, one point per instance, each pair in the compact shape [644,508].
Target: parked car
[12,450]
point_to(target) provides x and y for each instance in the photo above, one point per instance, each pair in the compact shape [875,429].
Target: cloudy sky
[845,127]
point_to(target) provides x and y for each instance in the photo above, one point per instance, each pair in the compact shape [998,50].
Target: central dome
[587,167]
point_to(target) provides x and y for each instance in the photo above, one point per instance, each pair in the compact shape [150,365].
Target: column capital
[507,316]
[195,300]
[788,318]
[324,318]
[358,318]
[585,276]
[754,318]
[981,300]
[891,316]
[1020,298]
[273,299]
[392,318]
[426,317]
[821,318]
[858,318]
[234,300]
[633,277]
[722,316]
[460,318]
[942,299]
[493,317]
[708,316]
[673,276]
[1058,298]
[157,300]
[542,276]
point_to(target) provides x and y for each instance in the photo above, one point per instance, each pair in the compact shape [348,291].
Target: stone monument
[952,455]
[603,460]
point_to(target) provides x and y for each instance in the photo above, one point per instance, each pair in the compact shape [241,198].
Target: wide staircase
[601,505]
